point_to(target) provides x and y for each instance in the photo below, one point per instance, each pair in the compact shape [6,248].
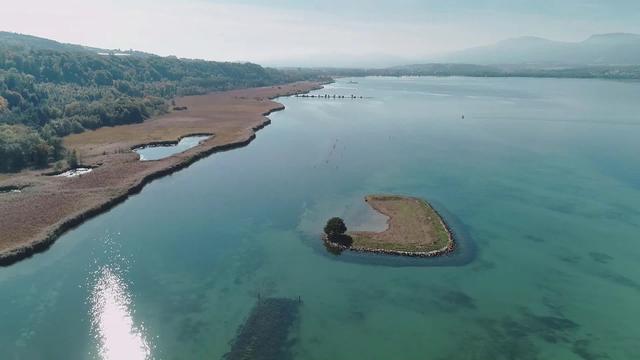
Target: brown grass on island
[48,206]
[414,228]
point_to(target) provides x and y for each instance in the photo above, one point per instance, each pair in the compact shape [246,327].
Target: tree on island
[335,230]
[335,227]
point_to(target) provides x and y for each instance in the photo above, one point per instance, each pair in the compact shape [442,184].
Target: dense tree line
[48,93]
[21,146]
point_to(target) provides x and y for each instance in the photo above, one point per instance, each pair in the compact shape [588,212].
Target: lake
[541,179]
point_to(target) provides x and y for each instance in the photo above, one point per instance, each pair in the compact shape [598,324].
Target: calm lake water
[162,151]
[541,178]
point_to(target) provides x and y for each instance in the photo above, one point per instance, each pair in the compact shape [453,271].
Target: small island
[414,228]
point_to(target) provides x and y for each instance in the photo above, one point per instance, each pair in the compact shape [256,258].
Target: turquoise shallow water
[541,177]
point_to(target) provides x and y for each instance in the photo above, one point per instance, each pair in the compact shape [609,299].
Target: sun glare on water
[111,321]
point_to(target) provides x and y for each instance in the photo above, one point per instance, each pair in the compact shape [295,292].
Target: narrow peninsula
[47,206]
[414,228]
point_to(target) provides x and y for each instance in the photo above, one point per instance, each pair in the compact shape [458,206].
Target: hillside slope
[49,90]
[604,49]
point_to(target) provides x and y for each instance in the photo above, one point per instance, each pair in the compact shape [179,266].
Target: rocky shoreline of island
[355,247]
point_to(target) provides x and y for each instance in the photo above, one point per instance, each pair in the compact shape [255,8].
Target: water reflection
[111,321]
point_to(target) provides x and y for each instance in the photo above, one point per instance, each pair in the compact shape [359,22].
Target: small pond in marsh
[157,152]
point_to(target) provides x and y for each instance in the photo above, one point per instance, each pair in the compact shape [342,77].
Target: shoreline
[449,248]
[117,191]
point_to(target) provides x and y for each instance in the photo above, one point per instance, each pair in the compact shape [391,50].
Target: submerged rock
[265,334]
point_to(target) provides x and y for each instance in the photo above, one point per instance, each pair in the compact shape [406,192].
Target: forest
[49,90]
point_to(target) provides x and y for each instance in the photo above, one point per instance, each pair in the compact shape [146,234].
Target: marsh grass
[414,226]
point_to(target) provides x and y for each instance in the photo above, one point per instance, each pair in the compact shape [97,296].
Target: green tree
[41,154]
[335,228]
[13,98]
[103,77]
[72,159]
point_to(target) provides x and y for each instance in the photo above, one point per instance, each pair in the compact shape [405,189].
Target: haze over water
[541,175]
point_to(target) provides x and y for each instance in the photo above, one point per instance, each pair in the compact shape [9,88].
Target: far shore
[48,206]
[414,228]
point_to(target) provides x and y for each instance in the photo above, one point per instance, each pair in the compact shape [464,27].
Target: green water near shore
[542,176]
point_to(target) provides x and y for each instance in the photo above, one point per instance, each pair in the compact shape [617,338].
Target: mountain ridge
[598,49]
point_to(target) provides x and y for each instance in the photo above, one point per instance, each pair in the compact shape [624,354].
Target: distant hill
[49,90]
[444,70]
[603,49]
[35,43]
[619,72]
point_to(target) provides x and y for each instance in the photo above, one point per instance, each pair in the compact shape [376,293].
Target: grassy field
[413,226]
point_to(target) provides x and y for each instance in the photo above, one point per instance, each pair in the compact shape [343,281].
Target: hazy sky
[334,32]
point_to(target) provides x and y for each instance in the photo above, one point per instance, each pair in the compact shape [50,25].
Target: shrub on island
[335,230]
